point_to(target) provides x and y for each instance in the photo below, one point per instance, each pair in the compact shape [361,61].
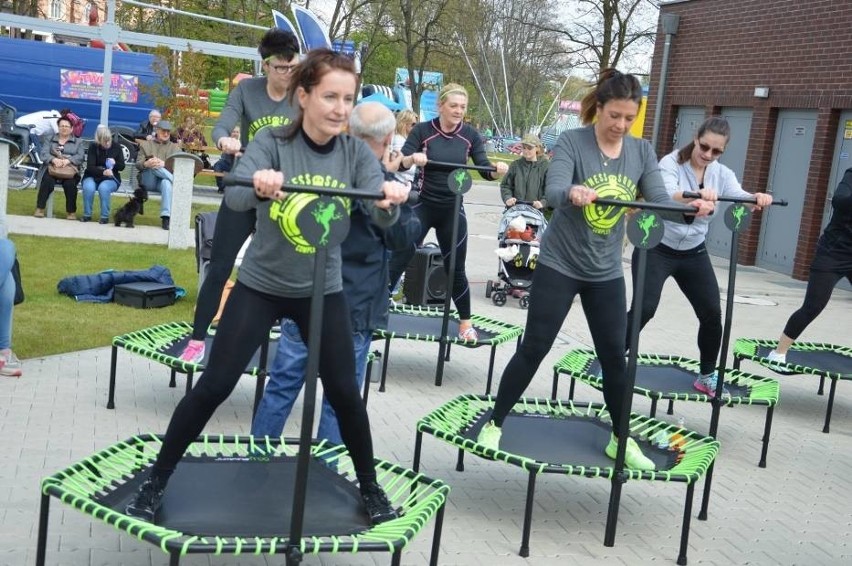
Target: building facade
[781,72]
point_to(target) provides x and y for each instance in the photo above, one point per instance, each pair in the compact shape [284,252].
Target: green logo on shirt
[266,122]
[603,218]
[286,212]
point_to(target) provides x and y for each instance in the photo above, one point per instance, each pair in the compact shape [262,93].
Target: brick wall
[802,51]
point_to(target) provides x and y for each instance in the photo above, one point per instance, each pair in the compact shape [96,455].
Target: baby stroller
[519,237]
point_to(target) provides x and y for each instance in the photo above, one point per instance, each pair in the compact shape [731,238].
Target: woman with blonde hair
[446,138]
[405,120]
[104,162]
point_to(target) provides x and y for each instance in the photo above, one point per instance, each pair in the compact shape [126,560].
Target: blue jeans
[159,181]
[105,188]
[7,292]
[286,378]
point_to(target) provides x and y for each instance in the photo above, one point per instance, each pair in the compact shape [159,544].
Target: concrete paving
[798,510]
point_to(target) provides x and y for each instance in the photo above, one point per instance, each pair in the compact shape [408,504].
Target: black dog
[134,206]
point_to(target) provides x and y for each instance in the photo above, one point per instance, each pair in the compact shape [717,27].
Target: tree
[181,77]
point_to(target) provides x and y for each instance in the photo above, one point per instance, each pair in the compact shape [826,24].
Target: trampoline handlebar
[641,204]
[448,165]
[744,200]
[235,180]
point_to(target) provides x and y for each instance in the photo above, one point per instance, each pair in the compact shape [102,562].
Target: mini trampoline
[811,358]
[233,495]
[424,323]
[543,436]
[164,343]
[670,378]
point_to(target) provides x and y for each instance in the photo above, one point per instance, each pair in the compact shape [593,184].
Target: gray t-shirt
[250,106]
[586,242]
[279,261]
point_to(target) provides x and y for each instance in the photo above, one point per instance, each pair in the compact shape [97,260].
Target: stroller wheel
[489,286]
[525,302]
[499,298]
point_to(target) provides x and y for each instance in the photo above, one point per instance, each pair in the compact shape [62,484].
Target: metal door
[788,176]
[688,120]
[719,237]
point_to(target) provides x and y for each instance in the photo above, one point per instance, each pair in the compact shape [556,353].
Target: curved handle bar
[744,200]
[645,205]
[234,180]
[448,165]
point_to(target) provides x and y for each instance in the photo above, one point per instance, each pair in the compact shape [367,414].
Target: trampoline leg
[174,558]
[258,392]
[571,385]
[418,442]
[460,461]
[670,410]
[172,380]
[366,393]
[41,545]
[653,411]
[767,428]
[525,538]
[396,558]
[684,532]
[821,390]
[705,500]
[112,368]
[188,381]
[737,361]
[385,365]
[436,538]
[447,356]
[518,344]
[554,385]
[830,404]
[490,370]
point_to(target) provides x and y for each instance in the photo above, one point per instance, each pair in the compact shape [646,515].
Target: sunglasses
[715,151]
[527,146]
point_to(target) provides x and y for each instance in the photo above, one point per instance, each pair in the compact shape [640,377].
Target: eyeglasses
[714,150]
[281,69]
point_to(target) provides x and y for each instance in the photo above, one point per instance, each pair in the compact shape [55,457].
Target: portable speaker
[425,280]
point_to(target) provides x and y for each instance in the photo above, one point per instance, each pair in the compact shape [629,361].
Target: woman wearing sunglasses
[682,254]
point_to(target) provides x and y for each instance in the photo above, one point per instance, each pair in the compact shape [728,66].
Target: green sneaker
[633,457]
[489,436]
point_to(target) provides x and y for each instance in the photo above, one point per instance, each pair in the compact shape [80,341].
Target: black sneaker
[376,503]
[103,221]
[147,500]
[166,222]
[86,219]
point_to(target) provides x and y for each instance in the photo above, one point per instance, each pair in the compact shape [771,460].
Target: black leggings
[693,273]
[820,286]
[441,219]
[552,293]
[244,326]
[232,229]
[69,187]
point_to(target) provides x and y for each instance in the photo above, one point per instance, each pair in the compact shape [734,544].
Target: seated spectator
[151,162]
[105,160]
[64,149]
[192,139]
[145,131]
[225,162]
[10,365]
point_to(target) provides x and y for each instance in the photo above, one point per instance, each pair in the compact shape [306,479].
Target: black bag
[19,288]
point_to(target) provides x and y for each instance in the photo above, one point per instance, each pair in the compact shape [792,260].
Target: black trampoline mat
[575,441]
[250,498]
[669,378]
[827,361]
[413,323]
[176,349]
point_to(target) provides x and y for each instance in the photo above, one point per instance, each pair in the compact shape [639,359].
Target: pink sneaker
[469,334]
[193,353]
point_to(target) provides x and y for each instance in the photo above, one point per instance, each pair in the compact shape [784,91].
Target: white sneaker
[10,365]
[774,356]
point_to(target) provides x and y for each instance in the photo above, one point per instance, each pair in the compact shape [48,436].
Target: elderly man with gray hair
[365,283]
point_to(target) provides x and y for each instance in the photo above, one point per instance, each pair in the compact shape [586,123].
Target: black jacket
[96,162]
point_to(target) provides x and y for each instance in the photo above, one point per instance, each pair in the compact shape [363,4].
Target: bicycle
[23,169]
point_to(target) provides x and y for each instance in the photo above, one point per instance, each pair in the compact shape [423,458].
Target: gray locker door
[840,163]
[688,120]
[788,175]
[719,237]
